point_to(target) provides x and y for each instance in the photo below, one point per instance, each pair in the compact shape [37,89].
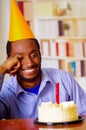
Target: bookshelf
[59,25]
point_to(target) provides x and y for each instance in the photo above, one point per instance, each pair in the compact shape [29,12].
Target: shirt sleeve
[71,90]
[1,80]
[79,96]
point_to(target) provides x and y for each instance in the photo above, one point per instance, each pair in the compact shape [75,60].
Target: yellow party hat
[19,28]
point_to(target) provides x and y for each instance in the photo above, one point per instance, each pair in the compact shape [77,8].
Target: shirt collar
[45,78]
[18,87]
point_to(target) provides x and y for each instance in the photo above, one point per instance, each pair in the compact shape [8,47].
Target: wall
[4,25]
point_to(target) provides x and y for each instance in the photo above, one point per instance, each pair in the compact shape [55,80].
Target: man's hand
[11,66]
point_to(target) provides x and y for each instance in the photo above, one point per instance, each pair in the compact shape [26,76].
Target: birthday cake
[63,112]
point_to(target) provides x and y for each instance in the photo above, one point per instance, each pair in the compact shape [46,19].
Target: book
[48,29]
[78,68]
[45,47]
[28,11]
[84,49]
[67,49]
[78,49]
[71,49]
[46,9]
[21,6]
[53,47]
[60,27]
[61,48]
[63,65]
[57,48]
[71,67]
[83,68]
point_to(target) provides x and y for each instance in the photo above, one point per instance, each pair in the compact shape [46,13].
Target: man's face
[30,59]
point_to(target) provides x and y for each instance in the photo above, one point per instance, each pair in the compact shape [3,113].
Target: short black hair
[8,46]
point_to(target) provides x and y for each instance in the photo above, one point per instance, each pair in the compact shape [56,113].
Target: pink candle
[57,93]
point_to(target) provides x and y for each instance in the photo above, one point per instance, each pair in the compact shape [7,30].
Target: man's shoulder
[56,73]
[10,80]
[52,70]
[9,85]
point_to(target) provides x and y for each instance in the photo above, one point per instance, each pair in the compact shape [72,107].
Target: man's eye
[35,54]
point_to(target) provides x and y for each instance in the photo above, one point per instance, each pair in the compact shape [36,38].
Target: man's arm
[10,65]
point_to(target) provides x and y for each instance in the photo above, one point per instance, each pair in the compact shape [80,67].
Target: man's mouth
[28,71]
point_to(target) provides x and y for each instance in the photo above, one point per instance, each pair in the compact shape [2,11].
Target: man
[29,84]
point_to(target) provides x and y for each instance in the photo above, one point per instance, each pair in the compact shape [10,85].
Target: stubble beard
[22,78]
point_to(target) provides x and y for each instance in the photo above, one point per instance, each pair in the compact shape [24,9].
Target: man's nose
[28,60]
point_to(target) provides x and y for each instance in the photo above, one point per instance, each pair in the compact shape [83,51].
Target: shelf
[52,30]
[63,58]
[61,17]
[24,0]
[79,38]
[73,38]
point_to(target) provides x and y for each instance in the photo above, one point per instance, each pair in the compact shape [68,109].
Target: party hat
[19,28]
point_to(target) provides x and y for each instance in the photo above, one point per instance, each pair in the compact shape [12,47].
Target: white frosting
[67,104]
[63,104]
[50,112]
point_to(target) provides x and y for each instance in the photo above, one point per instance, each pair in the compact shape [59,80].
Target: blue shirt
[15,102]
